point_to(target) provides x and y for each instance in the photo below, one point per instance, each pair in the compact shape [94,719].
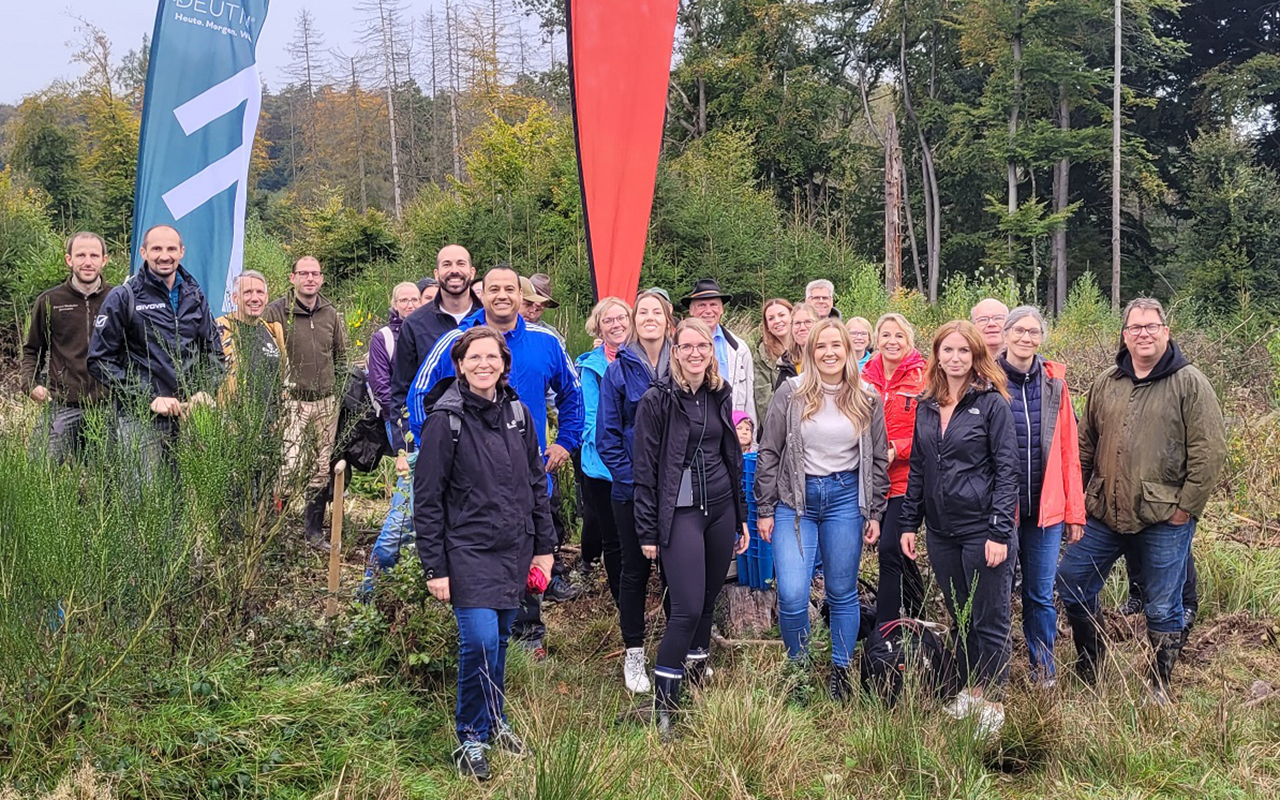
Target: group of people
[859,437]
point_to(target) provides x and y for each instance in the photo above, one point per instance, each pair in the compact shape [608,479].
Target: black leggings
[696,561]
[901,590]
[633,582]
[599,531]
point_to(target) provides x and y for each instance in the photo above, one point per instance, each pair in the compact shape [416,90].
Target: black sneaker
[470,760]
[1132,606]
[561,591]
[507,741]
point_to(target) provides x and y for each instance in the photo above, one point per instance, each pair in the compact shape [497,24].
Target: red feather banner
[619,64]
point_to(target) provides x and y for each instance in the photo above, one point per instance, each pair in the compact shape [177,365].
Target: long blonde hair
[984,369]
[712,379]
[853,400]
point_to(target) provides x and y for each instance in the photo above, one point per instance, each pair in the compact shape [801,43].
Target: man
[397,528]
[58,338]
[989,316]
[1152,444]
[536,301]
[253,347]
[706,302]
[821,294]
[315,338]
[539,364]
[155,347]
[453,303]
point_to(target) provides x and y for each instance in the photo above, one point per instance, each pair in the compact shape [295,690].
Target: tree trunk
[911,225]
[389,75]
[450,41]
[932,211]
[1061,194]
[1115,165]
[355,99]
[750,611]
[1011,165]
[892,206]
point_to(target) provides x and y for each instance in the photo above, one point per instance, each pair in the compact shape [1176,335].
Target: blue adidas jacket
[538,363]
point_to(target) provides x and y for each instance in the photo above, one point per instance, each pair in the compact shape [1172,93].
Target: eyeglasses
[800,323]
[702,348]
[623,318]
[311,274]
[1019,333]
[996,318]
[482,358]
[1151,329]
[859,335]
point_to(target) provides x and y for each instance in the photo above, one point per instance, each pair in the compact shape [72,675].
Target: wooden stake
[335,538]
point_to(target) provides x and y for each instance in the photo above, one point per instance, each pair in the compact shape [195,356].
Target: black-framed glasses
[1150,329]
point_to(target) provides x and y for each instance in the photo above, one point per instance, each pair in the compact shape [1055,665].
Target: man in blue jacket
[156,348]
[539,363]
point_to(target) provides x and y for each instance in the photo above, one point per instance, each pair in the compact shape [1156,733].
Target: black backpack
[362,435]
[902,647]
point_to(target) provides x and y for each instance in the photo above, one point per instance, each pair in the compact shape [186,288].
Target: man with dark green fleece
[55,369]
[315,337]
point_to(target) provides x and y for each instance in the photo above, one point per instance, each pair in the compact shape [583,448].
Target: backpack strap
[455,427]
[517,410]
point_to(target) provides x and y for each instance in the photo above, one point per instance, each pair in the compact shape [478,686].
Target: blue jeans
[397,528]
[482,662]
[1163,548]
[831,523]
[1038,551]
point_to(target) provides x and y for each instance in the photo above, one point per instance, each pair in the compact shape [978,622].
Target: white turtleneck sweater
[830,438]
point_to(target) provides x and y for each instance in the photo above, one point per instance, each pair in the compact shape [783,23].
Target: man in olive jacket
[1152,446]
[315,338]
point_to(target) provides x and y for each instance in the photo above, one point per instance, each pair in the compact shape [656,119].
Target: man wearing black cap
[706,302]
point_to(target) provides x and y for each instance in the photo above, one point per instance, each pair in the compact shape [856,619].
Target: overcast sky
[35,33]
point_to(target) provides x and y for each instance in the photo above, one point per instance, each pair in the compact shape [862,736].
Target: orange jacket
[1062,494]
[899,393]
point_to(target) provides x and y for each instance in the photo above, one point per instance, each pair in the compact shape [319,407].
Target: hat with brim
[531,295]
[542,285]
[705,289]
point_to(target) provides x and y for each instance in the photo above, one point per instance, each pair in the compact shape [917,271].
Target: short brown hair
[470,337]
[75,237]
[1143,304]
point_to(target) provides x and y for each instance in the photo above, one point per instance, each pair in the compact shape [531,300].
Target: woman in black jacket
[482,517]
[964,484]
[689,504]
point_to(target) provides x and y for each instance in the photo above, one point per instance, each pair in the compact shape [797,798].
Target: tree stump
[751,612]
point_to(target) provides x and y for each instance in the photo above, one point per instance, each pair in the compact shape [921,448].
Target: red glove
[537,582]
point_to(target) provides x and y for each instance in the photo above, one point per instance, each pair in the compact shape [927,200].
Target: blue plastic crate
[755,567]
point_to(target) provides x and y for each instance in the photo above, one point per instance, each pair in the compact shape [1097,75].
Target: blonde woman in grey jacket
[822,479]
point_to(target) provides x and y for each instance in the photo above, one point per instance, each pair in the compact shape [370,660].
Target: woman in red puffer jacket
[896,371]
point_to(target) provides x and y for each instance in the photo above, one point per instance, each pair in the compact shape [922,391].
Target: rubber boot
[1090,648]
[839,684]
[666,702]
[1167,646]
[313,519]
[695,668]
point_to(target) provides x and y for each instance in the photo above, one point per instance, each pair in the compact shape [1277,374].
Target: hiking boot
[839,685]
[507,741]
[1090,648]
[697,668]
[1132,607]
[560,591]
[470,760]
[313,520]
[666,702]
[634,672]
[1166,646]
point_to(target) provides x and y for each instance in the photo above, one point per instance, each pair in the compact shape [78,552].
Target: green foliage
[403,629]
[30,252]
[345,240]
[47,149]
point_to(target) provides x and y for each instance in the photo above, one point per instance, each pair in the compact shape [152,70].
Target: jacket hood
[874,371]
[595,360]
[394,320]
[635,355]
[1169,363]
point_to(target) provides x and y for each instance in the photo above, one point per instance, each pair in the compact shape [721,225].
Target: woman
[482,518]
[610,322]
[860,333]
[963,484]
[821,482]
[1050,488]
[644,360]
[803,318]
[689,504]
[775,339]
[896,372]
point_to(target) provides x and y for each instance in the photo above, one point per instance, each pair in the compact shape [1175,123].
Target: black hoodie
[1169,363]
[480,506]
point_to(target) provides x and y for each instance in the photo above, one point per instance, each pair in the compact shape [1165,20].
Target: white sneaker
[962,705]
[990,719]
[634,671]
